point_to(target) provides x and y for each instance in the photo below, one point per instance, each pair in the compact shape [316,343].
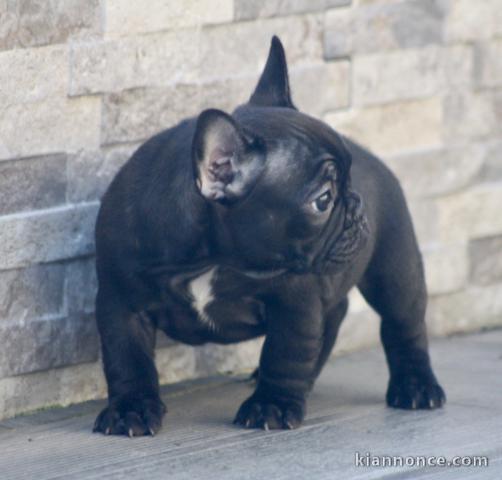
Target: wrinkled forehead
[296,143]
[291,162]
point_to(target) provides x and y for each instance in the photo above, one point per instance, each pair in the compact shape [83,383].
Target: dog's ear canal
[273,87]
[226,161]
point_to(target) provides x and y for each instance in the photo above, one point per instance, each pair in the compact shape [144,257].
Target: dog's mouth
[263,274]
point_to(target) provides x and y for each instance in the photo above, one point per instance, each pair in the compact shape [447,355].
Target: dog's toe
[413,394]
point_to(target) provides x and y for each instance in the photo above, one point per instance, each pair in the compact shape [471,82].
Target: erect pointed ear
[273,87]
[227,162]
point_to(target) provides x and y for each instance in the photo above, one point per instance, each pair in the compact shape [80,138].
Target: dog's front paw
[270,414]
[414,393]
[132,416]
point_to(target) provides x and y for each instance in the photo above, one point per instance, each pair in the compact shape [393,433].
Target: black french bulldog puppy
[227,227]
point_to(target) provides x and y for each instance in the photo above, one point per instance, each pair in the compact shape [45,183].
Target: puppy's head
[279,182]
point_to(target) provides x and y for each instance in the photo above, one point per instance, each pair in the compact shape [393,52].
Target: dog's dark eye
[322,202]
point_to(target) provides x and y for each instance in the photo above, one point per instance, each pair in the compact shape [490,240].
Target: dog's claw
[289,425]
[107,431]
[130,433]
[431,403]
[152,433]
[414,404]
[265,427]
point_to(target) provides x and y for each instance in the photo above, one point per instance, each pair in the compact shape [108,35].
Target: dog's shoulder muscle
[152,208]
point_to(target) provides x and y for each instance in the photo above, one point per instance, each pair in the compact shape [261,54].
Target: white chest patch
[200,289]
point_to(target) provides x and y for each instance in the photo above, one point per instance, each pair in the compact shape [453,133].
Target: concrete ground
[346,417]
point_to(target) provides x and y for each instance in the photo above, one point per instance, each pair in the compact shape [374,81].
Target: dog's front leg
[128,340]
[288,364]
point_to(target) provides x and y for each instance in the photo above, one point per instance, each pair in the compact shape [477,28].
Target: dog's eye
[322,202]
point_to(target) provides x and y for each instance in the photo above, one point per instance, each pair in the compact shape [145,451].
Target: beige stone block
[61,386]
[474,213]
[125,17]
[136,61]
[412,73]
[446,267]
[246,9]
[437,172]
[357,303]
[424,214]
[41,22]
[175,363]
[358,331]
[486,260]
[465,311]
[489,56]
[320,88]
[225,94]
[472,116]
[468,20]
[237,358]
[393,128]
[376,26]
[339,35]
[241,49]
[137,114]
[33,74]
[56,124]
[492,168]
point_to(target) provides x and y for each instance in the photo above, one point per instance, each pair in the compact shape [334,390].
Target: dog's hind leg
[394,286]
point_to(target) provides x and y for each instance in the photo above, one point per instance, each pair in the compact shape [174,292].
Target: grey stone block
[246,10]
[47,343]
[40,22]
[80,285]
[90,171]
[32,183]
[31,292]
[383,26]
[44,237]
[486,260]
